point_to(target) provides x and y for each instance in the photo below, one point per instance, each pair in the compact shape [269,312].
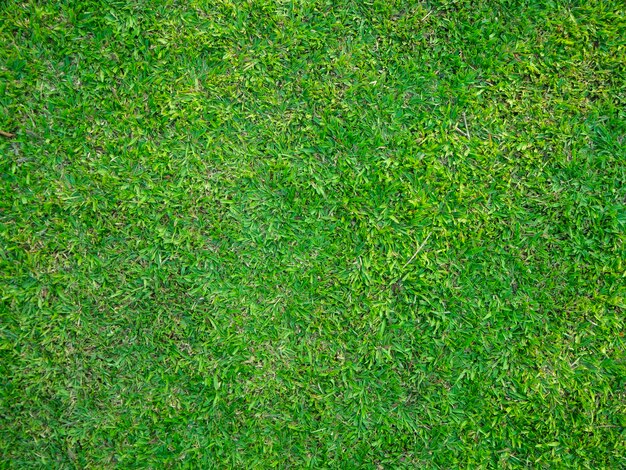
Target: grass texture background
[351,234]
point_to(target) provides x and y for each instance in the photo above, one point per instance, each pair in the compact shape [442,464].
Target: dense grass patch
[330,234]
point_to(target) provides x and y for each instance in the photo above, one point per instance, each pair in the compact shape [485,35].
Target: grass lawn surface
[326,234]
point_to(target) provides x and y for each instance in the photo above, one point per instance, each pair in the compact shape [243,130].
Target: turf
[356,234]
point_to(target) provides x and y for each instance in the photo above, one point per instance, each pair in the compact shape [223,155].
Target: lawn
[351,234]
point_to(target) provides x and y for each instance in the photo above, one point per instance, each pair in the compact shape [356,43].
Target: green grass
[383,234]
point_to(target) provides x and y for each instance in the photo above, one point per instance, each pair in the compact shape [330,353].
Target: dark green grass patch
[328,234]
